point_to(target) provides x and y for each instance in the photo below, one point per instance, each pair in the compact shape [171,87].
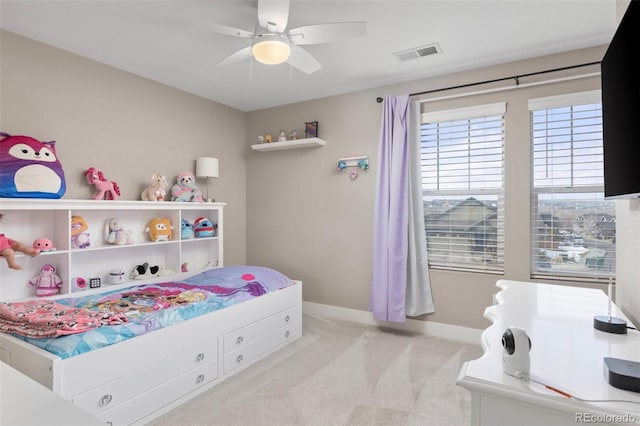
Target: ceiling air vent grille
[417,52]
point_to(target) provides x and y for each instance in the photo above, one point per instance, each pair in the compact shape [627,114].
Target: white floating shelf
[298,143]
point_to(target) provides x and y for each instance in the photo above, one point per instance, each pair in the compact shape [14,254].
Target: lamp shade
[271,49]
[207,167]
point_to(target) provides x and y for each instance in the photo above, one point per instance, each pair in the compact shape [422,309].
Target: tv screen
[620,74]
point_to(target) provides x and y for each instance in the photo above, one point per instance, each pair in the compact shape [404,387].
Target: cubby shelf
[298,143]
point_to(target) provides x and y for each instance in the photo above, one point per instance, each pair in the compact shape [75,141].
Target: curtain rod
[495,80]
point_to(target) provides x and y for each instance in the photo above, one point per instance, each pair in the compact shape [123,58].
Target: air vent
[417,52]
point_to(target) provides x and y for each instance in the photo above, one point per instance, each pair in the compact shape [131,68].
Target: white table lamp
[207,167]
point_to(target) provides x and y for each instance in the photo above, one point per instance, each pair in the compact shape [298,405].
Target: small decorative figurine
[79,232]
[267,138]
[260,139]
[114,233]
[43,244]
[282,136]
[159,229]
[293,135]
[107,189]
[48,283]
[157,189]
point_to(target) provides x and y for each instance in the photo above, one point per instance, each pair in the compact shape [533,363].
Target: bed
[165,342]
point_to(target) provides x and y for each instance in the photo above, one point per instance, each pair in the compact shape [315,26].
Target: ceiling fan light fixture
[271,49]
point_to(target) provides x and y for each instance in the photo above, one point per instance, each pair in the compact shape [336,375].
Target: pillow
[29,168]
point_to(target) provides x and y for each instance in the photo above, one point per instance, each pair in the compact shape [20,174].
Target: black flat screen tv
[620,75]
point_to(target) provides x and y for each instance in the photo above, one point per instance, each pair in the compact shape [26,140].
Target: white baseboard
[436,329]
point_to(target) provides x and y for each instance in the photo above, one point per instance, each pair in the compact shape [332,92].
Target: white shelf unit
[28,219]
[298,143]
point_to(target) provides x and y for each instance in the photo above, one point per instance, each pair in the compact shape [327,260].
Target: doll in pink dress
[9,247]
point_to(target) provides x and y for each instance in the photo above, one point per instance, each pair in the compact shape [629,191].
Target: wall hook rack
[361,161]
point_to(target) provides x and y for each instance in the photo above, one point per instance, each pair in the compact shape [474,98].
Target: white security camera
[515,355]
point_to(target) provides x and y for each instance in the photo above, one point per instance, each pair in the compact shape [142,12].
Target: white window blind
[572,226]
[462,164]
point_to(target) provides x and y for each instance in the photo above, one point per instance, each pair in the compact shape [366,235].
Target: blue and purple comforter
[153,306]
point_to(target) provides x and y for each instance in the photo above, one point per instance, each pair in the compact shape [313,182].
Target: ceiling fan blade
[273,15]
[230,31]
[235,57]
[302,60]
[324,33]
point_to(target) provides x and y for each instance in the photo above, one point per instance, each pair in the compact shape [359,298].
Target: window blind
[462,165]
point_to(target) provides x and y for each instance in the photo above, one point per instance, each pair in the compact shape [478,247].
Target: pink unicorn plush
[107,189]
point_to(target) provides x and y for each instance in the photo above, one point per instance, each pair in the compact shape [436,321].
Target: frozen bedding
[150,307]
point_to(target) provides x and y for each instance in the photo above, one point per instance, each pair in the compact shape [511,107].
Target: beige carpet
[341,373]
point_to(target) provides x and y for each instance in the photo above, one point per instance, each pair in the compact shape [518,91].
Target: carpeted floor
[341,373]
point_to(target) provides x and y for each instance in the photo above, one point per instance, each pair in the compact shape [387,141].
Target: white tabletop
[566,351]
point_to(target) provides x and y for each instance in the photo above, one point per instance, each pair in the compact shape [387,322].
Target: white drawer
[260,347]
[146,403]
[246,335]
[124,388]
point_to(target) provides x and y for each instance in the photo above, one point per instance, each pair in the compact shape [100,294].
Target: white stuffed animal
[157,189]
[114,233]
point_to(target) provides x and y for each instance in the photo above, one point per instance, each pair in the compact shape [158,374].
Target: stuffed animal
[29,168]
[186,229]
[159,229]
[144,271]
[203,227]
[157,189]
[186,189]
[79,232]
[107,189]
[48,283]
[114,233]
[43,244]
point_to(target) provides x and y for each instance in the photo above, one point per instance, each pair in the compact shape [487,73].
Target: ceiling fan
[273,44]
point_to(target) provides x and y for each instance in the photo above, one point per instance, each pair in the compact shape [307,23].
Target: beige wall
[316,225]
[127,126]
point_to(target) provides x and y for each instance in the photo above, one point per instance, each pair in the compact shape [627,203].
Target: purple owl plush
[29,168]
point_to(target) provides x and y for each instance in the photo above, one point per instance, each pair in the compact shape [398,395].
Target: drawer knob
[199,357]
[287,318]
[239,359]
[200,379]
[106,399]
[287,334]
[239,340]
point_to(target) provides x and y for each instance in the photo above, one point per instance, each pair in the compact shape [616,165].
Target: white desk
[26,402]
[566,353]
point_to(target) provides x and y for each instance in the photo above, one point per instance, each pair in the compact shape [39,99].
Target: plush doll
[186,189]
[43,244]
[79,232]
[157,189]
[203,227]
[48,283]
[144,271]
[114,233]
[107,189]
[29,168]
[186,229]
[159,229]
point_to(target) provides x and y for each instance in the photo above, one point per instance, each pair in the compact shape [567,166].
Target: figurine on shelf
[114,233]
[282,136]
[260,139]
[293,135]
[267,138]
[43,244]
[107,189]
[80,237]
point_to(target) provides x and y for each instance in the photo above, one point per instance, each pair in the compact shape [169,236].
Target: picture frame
[311,129]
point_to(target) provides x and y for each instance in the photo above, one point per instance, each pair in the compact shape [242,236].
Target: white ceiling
[163,41]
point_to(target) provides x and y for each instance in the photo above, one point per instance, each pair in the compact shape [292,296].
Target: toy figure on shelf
[114,233]
[157,190]
[203,227]
[159,229]
[282,136]
[107,189]
[186,189]
[43,244]
[294,135]
[48,283]
[186,229]
[9,247]
[267,138]
[79,232]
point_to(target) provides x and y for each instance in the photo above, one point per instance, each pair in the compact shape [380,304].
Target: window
[573,232]
[462,165]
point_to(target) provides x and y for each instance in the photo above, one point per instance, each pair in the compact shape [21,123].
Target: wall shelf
[298,143]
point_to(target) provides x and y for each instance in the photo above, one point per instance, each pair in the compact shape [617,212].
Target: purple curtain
[390,241]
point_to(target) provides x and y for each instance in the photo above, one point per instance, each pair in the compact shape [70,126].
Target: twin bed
[148,348]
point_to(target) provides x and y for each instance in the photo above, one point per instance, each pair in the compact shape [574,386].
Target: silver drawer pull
[106,399]
[199,357]
[239,340]
[239,359]
[287,334]
[200,379]
[287,318]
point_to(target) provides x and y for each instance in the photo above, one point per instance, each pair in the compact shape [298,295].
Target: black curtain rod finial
[379,100]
